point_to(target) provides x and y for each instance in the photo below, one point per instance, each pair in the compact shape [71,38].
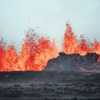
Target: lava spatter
[73,46]
[37,50]
[34,55]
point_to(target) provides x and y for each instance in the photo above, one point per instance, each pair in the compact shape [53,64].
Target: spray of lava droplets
[37,51]
[34,54]
[72,46]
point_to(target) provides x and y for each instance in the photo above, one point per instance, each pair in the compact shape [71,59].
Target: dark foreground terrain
[49,85]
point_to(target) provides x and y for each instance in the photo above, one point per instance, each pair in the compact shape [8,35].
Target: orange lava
[72,46]
[37,51]
[34,54]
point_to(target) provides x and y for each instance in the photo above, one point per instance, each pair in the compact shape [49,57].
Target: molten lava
[37,51]
[72,46]
[34,54]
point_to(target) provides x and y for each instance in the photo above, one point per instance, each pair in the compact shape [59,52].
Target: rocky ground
[49,85]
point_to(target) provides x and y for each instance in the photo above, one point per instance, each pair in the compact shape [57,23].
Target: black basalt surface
[73,62]
[49,85]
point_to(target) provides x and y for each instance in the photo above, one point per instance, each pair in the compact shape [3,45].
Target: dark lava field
[49,85]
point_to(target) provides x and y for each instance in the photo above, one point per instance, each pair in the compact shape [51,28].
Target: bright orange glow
[72,46]
[37,51]
[34,54]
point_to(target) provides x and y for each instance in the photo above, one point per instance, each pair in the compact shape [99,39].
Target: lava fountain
[37,51]
[34,55]
[72,46]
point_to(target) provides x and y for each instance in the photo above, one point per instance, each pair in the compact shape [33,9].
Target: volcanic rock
[74,62]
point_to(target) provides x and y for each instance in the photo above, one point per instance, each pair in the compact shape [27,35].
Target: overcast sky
[50,16]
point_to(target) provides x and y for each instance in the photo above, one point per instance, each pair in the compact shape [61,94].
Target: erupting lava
[72,46]
[34,54]
[36,51]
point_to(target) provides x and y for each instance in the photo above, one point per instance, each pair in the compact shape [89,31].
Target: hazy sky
[50,16]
